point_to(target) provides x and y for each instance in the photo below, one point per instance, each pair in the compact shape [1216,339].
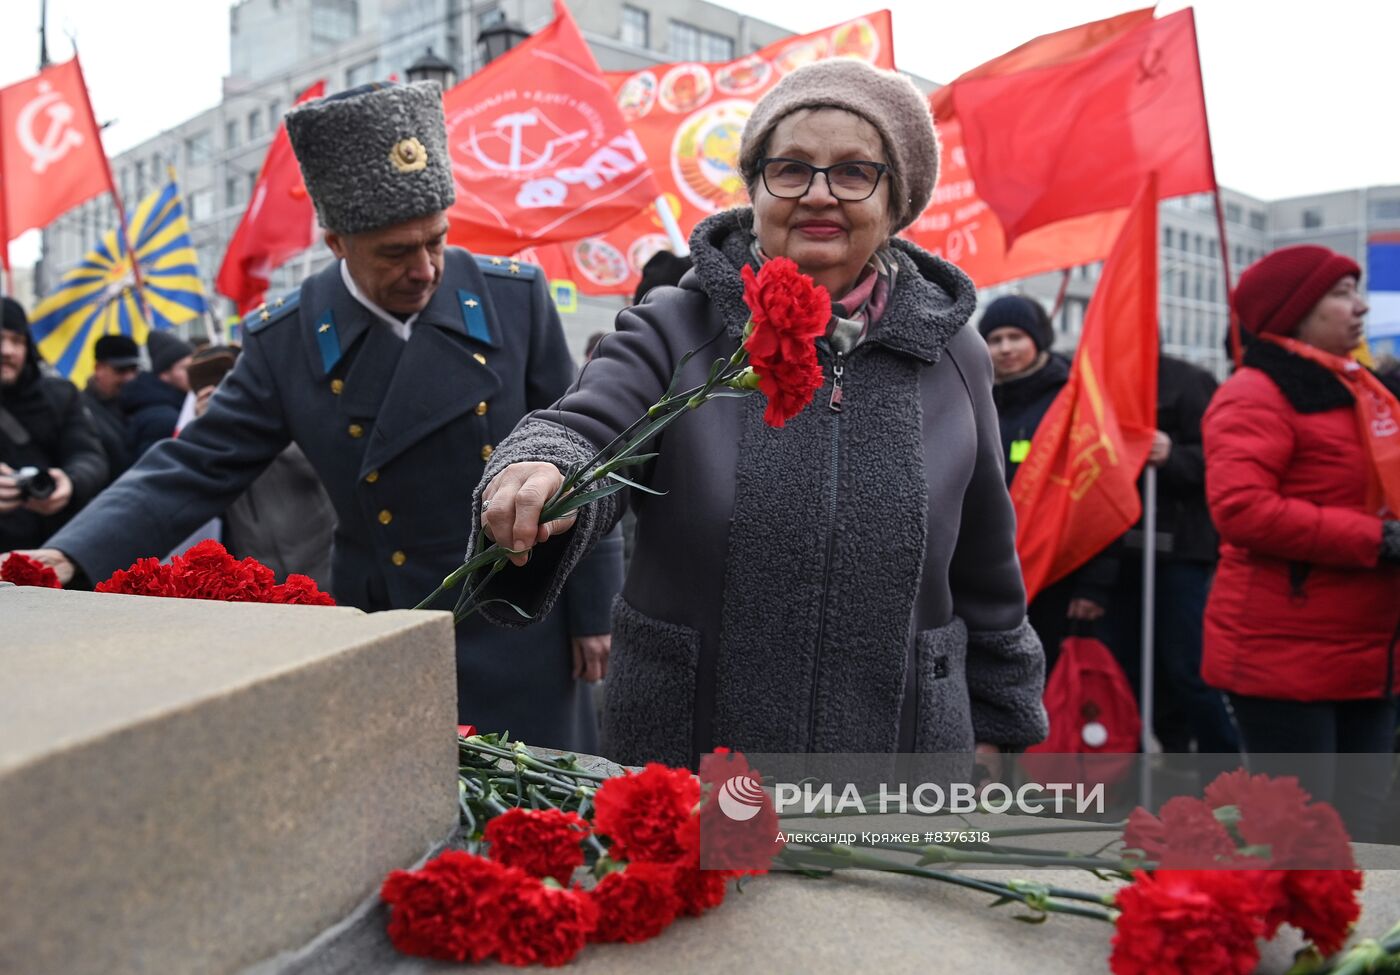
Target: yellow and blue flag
[100,296]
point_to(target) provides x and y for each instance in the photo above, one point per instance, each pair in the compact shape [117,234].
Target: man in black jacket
[117,360]
[1185,709]
[153,399]
[51,463]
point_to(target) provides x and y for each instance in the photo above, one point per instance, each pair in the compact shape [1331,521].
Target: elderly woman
[1303,482]
[848,582]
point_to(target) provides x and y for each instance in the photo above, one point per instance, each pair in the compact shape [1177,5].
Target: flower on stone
[1191,921]
[635,903]
[542,842]
[788,312]
[24,571]
[642,812]
[447,908]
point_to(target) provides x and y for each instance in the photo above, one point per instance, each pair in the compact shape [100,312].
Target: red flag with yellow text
[280,222]
[540,151]
[51,157]
[1076,491]
[1079,136]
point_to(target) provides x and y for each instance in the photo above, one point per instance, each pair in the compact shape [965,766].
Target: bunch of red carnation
[517,904]
[1255,854]
[24,571]
[788,313]
[208,571]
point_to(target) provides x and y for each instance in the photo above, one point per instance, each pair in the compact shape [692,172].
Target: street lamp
[430,67]
[500,38]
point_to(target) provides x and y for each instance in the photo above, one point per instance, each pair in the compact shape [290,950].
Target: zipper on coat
[838,371]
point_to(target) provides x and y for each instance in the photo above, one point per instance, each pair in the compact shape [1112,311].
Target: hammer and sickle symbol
[57,138]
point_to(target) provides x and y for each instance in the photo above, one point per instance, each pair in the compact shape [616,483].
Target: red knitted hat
[1277,292]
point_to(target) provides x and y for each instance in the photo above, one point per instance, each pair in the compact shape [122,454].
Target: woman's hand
[512,503]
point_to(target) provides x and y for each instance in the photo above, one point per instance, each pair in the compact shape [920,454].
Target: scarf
[1377,420]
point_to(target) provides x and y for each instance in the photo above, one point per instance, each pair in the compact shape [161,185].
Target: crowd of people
[847,583]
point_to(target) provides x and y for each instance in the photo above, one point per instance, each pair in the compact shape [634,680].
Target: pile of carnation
[1254,855]
[208,571]
[24,571]
[519,905]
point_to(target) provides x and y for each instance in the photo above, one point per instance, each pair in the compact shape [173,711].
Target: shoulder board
[506,267]
[276,310]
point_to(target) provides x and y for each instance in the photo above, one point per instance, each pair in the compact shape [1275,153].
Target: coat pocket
[945,708]
[648,710]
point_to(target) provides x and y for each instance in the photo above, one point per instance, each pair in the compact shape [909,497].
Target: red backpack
[1092,712]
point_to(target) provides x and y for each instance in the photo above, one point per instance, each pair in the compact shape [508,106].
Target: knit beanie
[13,318]
[166,350]
[886,100]
[1276,293]
[1018,311]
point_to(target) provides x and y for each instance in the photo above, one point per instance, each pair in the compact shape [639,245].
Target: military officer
[395,369]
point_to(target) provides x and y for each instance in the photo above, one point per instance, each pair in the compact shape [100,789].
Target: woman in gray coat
[848,582]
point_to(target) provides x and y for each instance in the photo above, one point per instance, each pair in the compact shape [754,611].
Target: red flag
[539,149]
[280,222]
[1077,489]
[1080,136]
[51,156]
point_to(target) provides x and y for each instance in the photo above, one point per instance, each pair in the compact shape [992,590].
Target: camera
[34,484]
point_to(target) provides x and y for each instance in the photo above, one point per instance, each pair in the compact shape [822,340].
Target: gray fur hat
[374,156]
[887,100]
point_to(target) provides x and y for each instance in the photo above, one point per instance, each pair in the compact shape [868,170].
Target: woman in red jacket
[1302,449]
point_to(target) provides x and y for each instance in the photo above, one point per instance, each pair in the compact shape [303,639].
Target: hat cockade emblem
[409,156]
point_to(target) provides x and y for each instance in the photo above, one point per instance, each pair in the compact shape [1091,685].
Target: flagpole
[1149,613]
[673,230]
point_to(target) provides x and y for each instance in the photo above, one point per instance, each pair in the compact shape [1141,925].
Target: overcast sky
[1301,95]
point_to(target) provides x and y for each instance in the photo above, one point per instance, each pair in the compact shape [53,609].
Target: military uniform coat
[399,433]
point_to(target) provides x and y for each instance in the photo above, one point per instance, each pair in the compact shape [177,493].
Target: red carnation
[636,903]
[24,571]
[542,842]
[642,812]
[789,312]
[447,909]
[1190,921]
[699,890]
[145,577]
[1186,836]
[1320,903]
[299,590]
[542,925]
[1237,787]
[745,846]
[208,571]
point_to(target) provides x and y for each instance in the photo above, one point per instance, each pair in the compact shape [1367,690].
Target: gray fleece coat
[847,583]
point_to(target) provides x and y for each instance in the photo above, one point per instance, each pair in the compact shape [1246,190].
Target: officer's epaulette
[506,267]
[276,310]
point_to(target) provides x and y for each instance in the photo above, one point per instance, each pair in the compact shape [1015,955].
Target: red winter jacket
[1300,609]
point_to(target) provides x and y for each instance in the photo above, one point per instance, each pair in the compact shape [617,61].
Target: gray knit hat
[374,156]
[887,100]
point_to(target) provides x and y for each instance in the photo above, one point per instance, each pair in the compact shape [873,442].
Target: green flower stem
[529,760]
[838,857]
[1369,956]
[951,854]
[1061,828]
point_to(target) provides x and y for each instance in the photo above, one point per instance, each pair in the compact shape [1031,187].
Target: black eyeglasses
[850,182]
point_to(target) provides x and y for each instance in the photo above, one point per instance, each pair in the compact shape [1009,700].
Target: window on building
[1257,220]
[333,21]
[1234,213]
[1181,284]
[231,133]
[139,184]
[255,124]
[1210,248]
[274,115]
[201,205]
[1214,292]
[198,149]
[636,27]
[1239,258]
[231,192]
[687,43]
[1200,245]
[1166,237]
[1196,286]
[1312,218]
[362,73]
[1385,209]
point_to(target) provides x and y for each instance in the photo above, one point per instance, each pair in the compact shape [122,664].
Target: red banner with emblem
[539,150]
[51,157]
[688,118]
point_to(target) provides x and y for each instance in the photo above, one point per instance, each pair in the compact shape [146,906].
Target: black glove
[1390,540]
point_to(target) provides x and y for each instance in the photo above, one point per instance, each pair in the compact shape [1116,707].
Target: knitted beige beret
[887,100]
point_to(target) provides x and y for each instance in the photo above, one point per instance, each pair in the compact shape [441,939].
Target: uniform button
[487,451]
[355,430]
[337,386]
[386,516]
[479,357]
[398,558]
[371,477]
[481,408]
